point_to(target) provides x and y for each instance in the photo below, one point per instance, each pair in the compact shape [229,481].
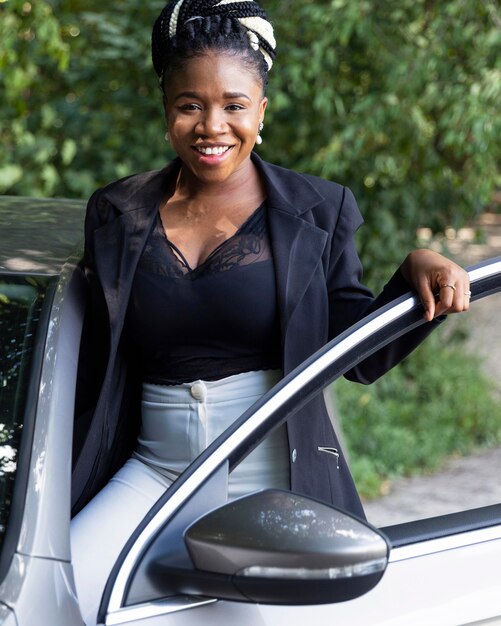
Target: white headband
[254,25]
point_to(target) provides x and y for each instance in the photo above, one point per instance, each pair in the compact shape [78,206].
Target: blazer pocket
[333,451]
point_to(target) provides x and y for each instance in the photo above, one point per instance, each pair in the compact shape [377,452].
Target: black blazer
[312,224]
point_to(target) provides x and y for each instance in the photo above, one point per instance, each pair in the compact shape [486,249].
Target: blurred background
[399,100]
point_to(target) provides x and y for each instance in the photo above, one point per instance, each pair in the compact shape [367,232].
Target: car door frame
[212,466]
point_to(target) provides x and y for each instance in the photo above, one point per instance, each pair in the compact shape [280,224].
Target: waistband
[244,385]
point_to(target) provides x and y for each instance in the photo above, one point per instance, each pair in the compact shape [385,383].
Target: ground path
[472,481]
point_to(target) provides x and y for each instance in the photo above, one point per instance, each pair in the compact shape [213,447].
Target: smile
[213,150]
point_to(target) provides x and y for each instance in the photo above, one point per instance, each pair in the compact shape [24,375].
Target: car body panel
[41,241]
[432,579]
[48,493]
[442,589]
[41,593]
[448,587]
[38,235]
[7,616]
[439,573]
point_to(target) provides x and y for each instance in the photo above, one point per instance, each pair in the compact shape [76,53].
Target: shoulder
[327,188]
[338,203]
[133,192]
[129,184]
[299,187]
[300,181]
[129,192]
[327,203]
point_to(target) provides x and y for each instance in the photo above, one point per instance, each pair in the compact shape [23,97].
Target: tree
[33,53]
[398,100]
[81,105]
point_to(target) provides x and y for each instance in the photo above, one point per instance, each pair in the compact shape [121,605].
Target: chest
[297,248]
[196,235]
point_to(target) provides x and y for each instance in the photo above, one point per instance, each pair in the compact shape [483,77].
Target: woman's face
[213,107]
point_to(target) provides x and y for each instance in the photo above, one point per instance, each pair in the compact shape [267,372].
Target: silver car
[271,558]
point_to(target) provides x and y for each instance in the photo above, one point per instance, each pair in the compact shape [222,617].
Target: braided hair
[188,28]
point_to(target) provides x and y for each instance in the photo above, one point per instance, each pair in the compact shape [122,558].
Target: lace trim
[250,244]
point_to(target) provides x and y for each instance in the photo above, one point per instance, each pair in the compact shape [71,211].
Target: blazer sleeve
[96,215]
[350,300]
[95,334]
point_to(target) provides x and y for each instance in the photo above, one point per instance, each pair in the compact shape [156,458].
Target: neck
[242,182]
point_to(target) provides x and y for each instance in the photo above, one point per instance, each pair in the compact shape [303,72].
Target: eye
[234,107]
[190,106]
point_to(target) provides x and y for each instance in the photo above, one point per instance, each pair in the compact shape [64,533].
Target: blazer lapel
[297,250]
[118,247]
[296,242]
[119,243]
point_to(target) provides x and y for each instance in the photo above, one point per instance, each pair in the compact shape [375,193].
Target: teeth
[215,150]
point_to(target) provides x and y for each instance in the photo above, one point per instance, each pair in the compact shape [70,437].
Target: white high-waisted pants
[178,423]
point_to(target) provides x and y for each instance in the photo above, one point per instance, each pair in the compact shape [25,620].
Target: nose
[212,122]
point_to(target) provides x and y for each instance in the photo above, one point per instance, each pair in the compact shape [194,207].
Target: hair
[190,28]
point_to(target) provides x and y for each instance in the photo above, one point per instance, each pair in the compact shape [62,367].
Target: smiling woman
[210,280]
[213,129]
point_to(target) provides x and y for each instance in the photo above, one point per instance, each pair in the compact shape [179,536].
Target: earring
[259,139]
[166,136]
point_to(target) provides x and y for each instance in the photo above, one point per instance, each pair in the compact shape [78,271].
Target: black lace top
[209,322]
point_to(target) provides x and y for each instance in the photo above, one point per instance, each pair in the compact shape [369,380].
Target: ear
[262,108]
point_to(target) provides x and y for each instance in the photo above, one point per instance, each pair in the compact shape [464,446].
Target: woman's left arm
[442,285]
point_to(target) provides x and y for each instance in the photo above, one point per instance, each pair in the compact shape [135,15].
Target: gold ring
[451,286]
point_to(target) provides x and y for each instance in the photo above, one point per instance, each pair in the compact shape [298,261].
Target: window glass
[21,300]
[425,439]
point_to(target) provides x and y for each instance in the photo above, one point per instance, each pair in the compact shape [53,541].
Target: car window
[429,432]
[21,302]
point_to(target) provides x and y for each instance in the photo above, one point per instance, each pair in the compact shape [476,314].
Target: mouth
[212,150]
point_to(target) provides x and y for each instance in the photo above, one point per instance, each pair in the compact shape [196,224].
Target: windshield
[21,300]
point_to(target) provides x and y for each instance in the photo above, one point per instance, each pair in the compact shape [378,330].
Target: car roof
[37,236]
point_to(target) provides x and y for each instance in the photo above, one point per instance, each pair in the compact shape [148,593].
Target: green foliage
[436,404]
[398,100]
[81,105]
[32,53]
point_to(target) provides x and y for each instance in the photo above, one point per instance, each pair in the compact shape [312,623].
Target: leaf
[9,176]
[68,151]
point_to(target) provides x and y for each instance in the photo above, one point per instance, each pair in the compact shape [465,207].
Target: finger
[466,297]
[428,300]
[466,291]
[457,299]
[446,295]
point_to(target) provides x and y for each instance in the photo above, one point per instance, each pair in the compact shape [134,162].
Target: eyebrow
[227,95]
[235,94]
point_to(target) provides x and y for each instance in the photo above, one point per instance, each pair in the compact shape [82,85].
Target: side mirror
[281,548]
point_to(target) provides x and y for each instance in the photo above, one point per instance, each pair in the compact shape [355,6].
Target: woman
[209,280]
